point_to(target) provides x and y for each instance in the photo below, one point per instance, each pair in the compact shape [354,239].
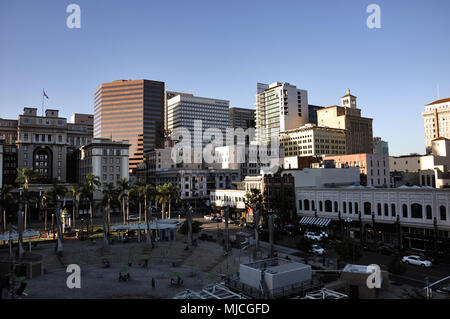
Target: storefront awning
[320,222]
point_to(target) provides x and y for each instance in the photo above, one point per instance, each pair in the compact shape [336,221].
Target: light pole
[40,201]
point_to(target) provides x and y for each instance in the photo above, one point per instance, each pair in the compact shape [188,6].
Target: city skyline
[42,50]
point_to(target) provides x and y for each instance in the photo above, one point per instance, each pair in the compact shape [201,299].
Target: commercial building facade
[131,110]
[436,119]
[409,217]
[107,159]
[311,140]
[348,117]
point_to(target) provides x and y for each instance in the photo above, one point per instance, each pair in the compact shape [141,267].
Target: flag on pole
[45,94]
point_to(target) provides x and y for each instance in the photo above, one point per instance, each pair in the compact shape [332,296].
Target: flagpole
[42,102]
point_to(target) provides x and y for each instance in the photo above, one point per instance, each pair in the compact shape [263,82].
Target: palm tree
[44,203]
[109,195]
[172,193]
[162,197]
[75,190]
[54,193]
[6,199]
[123,187]
[149,196]
[25,177]
[91,183]
[253,199]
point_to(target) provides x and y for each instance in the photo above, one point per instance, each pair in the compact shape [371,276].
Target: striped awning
[320,222]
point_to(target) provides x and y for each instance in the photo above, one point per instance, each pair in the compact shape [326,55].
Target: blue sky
[222,48]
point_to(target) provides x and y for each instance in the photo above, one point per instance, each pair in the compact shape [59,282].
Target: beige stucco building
[436,119]
[348,117]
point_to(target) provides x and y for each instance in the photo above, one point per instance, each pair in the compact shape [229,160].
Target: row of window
[416,210]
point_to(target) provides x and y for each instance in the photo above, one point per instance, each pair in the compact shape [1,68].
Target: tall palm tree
[123,186]
[149,197]
[44,204]
[109,195]
[253,199]
[162,197]
[54,193]
[173,194]
[6,199]
[75,191]
[90,185]
[24,178]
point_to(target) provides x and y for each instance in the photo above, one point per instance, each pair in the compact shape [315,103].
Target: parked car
[416,260]
[317,250]
[313,236]
[385,250]
[133,218]
[420,253]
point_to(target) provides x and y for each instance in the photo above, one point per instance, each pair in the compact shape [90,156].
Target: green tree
[24,178]
[109,196]
[149,197]
[196,227]
[253,199]
[55,193]
[123,186]
[304,244]
[75,191]
[396,266]
[6,200]
[172,194]
[162,197]
[348,251]
[90,185]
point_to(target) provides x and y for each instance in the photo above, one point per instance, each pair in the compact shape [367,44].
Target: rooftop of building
[276,265]
[439,101]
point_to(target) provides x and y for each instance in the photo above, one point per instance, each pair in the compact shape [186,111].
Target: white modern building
[184,110]
[437,121]
[106,159]
[279,107]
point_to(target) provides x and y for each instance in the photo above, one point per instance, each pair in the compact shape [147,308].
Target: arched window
[350,208]
[386,210]
[328,206]
[393,210]
[320,206]
[405,211]
[300,205]
[336,207]
[356,208]
[429,212]
[306,204]
[367,208]
[416,211]
[313,205]
[344,206]
[443,212]
[379,209]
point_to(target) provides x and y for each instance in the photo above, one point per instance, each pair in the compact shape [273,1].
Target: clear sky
[223,48]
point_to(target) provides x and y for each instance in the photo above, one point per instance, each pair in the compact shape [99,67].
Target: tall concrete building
[348,117]
[437,121]
[8,131]
[279,107]
[131,110]
[380,146]
[184,109]
[312,110]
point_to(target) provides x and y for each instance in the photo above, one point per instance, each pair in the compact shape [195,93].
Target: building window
[104,177]
[350,208]
[393,210]
[344,205]
[429,212]
[300,205]
[313,205]
[320,206]
[416,211]
[443,212]
[379,209]
[306,202]
[405,211]
[328,206]
[367,208]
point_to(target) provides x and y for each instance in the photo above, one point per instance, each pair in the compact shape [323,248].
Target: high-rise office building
[348,117]
[241,117]
[184,109]
[279,107]
[437,121]
[131,110]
